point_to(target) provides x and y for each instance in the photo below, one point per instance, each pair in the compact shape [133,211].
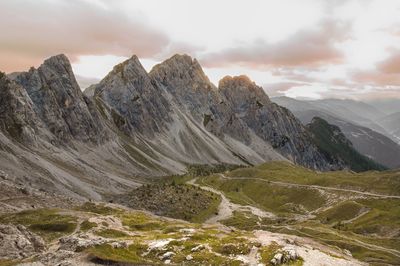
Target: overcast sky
[298,48]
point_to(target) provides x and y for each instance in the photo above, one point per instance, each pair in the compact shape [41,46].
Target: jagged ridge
[145,124]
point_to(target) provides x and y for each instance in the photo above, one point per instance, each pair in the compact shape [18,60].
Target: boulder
[79,243]
[167,255]
[18,243]
[198,248]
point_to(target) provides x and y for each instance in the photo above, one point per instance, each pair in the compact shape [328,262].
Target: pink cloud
[309,47]
[74,27]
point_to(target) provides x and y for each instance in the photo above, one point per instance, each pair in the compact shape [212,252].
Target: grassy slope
[379,223]
[386,182]
[335,146]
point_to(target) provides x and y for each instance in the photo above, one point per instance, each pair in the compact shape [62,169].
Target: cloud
[75,27]
[386,73]
[392,64]
[279,88]
[85,82]
[308,47]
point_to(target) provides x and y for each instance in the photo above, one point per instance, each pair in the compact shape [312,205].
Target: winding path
[226,207]
[369,194]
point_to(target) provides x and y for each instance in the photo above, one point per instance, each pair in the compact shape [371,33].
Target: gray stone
[17,242]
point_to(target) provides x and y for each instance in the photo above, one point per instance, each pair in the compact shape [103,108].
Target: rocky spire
[17,116]
[272,123]
[59,102]
[137,105]
[184,79]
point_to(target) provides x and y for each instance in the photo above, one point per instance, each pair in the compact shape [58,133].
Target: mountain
[356,112]
[368,142]
[391,123]
[386,106]
[337,148]
[134,125]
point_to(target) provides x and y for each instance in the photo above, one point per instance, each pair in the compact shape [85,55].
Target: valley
[247,216]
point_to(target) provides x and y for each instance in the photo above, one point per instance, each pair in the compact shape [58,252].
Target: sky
[298,48]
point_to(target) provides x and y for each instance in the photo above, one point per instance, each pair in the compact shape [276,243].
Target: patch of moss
[45,222]
[206,120]
[86,225]
[107,255]
[341,212]
[138,221]
[268,252]
[111,233]
[231,246]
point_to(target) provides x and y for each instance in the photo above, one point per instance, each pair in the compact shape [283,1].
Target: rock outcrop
[18,243]
[59,102]
[272,123]
[135,104]
[18,119]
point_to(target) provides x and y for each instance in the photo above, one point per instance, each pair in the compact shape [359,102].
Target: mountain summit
[142,124]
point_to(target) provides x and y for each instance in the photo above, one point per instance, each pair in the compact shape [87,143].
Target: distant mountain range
[134,125]
[361,123]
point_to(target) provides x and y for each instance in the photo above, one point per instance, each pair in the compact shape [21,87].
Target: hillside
[358,212]
[77,233]
[366,141]
[391,123]
[334,144]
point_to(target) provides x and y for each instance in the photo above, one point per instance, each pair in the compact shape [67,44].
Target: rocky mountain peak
[181,70]
[17,117]
[57,60]
[242,81]
[130,69]
[59,101]
[137,103]
[243,92]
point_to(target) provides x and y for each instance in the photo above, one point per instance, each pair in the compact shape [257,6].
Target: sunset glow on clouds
[306,48]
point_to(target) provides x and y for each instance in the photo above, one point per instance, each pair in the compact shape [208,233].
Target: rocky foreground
[109,234]
[112,236]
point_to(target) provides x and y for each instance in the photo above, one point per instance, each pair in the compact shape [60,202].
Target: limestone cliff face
[271,122]
[18,119]
[136,104]
[59,102]
[184,79]
[238,108]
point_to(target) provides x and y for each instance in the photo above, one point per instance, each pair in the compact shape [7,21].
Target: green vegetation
[385,182]
[208,169]
[86,225]
[173,200]
[270,197]
[365,225]
[232,246]
[267,252]
[243,221]
[336,147]
[111,233]
[139,221]
[206,119]
[106,254]
[47,223]
[343,211]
